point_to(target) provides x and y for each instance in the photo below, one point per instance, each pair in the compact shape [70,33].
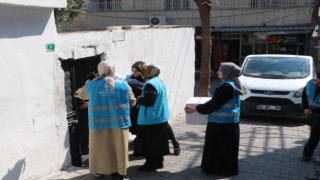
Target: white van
[274,84]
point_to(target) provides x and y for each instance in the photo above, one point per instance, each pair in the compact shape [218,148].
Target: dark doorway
[76,72]
[230,51]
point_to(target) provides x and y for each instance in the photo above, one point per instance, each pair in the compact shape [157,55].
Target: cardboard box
[196,118]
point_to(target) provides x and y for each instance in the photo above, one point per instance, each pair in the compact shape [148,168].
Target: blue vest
[129,76]
[313,102]
[108,109]
[158,112]
[229,112]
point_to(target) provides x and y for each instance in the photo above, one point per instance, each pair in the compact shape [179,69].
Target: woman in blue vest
[136,82]
[220,153]
[311,106]
[153,119]
[109,122]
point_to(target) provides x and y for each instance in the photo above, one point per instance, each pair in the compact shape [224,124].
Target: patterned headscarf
[106,70]
[149,71]
[231,72]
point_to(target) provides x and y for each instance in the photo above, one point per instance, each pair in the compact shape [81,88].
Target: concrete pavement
[269,149]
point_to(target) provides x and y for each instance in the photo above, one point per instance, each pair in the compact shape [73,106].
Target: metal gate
[76,72]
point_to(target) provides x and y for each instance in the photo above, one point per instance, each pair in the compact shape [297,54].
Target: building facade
[34,129]
[239,27]
[41,70]
[82,51]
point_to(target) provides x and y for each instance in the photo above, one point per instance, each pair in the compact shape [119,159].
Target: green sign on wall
[51,47]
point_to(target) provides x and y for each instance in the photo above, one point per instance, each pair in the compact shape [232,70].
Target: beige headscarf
[106,70]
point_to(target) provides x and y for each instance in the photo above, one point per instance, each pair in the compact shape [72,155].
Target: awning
[301,28]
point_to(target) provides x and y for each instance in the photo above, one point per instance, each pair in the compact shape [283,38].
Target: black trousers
[314,137]
[172,137]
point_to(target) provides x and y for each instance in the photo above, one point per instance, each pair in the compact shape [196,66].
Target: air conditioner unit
[157,20]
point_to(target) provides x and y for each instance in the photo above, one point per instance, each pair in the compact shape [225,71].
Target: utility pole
[204,7]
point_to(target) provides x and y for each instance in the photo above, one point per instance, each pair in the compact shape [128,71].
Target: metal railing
[259,3]
[141,5]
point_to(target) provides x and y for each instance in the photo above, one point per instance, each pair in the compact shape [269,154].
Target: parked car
[274,84]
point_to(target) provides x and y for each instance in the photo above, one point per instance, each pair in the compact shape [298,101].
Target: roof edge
[36,3]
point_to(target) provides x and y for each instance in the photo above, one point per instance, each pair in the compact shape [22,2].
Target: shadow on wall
[67,160]
[16,171]
[33,20]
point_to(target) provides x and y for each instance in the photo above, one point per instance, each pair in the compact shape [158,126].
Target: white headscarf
[106,70]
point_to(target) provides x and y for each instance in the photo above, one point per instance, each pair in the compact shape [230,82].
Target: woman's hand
[308,112]
[83,105]
[189,109]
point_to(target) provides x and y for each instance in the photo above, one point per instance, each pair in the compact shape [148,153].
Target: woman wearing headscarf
[136,82]
[153,119]
[220,153]
[109,122]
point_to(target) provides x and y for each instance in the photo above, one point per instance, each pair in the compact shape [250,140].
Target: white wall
[171,48]
[33,125]
[36,3]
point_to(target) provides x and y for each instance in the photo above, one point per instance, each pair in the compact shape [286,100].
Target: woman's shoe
[159,165]
[117,176]
[177,151]
[120,177]
[114,176]
[305,158]
[176,148]
[147,167]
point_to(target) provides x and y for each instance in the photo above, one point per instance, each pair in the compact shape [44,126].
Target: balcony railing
[145,5]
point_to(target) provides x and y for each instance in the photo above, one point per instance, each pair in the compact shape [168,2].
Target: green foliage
[75,10]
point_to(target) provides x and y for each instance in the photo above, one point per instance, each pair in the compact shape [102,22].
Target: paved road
[269,149]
